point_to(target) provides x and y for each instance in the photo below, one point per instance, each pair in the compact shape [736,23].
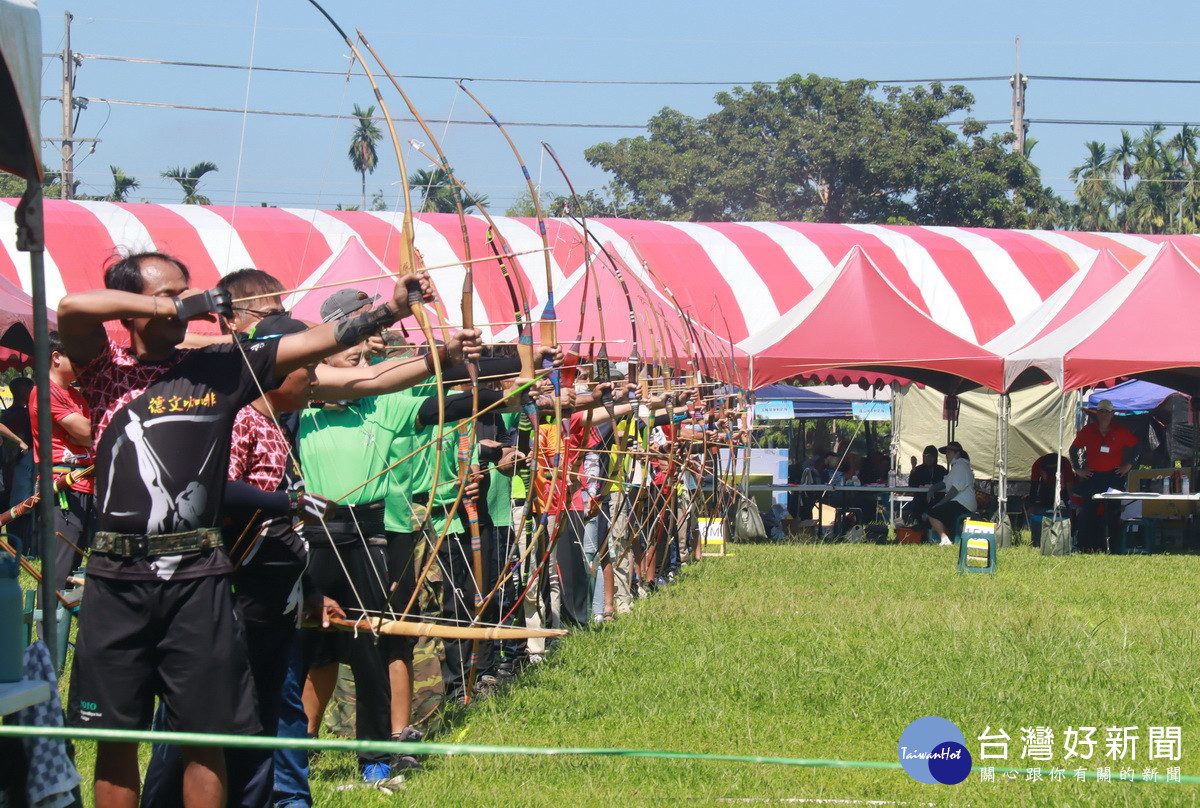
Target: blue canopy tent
[1133,396]
[805,403]
[1157,415]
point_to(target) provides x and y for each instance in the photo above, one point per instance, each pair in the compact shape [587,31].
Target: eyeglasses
[261,314]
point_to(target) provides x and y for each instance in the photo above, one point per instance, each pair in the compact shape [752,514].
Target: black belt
[365,518]
[140,545]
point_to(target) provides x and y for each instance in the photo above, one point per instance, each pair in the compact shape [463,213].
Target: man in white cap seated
[1102,454]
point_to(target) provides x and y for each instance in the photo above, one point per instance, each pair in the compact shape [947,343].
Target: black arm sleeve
[490,367]
[243,496]
[457,407]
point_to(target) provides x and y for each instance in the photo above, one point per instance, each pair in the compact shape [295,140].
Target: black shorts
[947,513]
[328,567]
[182,641]
[402,576]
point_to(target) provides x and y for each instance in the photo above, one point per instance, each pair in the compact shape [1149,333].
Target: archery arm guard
[352,330]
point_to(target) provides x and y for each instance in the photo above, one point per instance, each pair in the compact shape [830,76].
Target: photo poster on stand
[712,537]
[978,547]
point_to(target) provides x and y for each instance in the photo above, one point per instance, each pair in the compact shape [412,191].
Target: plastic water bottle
[1166,484]
[12,626]
[1186,484]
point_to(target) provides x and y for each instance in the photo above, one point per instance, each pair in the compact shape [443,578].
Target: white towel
[52,775]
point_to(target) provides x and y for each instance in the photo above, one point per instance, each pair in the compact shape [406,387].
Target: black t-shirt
[162,446]
[924,475]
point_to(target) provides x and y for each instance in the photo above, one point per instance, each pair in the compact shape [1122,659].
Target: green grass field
[829,651]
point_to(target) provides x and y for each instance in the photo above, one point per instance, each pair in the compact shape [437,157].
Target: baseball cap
[344,302]
[955,445]
[1104,405]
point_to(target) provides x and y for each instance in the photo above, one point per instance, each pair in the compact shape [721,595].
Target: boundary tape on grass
[451,749]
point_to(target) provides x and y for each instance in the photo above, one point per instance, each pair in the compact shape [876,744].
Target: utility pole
[1018,82]
[67,183]
[70,61]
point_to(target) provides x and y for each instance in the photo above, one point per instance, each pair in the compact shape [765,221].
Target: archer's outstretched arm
[313,345]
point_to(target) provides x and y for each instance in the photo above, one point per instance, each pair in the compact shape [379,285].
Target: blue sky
[301,162]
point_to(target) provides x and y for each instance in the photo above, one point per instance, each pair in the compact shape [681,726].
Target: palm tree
[440,193]
[362,146]
[122,185]
[1093,185]
[1121,160]
[189,180]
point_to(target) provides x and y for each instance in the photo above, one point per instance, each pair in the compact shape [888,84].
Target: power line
[1074,122]
[503,79]
[1114,80]
[332,116]
[510,79]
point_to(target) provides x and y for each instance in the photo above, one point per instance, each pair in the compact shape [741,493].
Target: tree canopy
[811,148]
[440,193]
[1140,185]
[189,181]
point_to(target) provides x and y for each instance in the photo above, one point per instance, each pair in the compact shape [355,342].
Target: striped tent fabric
[732,281]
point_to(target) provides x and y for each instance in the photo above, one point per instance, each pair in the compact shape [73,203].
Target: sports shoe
[946,541]
[374,772]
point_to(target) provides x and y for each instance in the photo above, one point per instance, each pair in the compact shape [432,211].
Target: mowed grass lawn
[830,651]
[819,651]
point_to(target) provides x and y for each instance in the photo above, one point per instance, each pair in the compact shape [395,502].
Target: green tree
[819,149]
[122,185]
[189,181]
[13,186]
[591,204]
[440,193]
[1158,190]
[362,152]
[1093,188]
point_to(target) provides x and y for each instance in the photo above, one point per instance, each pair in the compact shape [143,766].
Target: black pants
[77,524]
[573,569]
[500,550]
[1092,526]
[363,653]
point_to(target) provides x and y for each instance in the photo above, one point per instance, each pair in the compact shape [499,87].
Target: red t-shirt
[1104,451]
[65,401]
[550,455]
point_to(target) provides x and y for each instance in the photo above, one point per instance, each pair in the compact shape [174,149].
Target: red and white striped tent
[732,280]
[1140,327]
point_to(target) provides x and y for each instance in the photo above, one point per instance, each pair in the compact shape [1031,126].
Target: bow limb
[467,433]
[548,331]
[408,249]
[601,375]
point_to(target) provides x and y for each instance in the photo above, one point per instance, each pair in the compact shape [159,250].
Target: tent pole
[31,238]
[1002,494]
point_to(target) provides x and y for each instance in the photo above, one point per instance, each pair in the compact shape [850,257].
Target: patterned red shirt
[258,453]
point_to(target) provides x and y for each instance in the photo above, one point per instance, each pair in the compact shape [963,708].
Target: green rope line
[449,749]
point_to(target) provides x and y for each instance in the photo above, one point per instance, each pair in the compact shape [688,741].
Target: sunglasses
[261,314]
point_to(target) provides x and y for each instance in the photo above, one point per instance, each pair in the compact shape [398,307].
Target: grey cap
[344,302]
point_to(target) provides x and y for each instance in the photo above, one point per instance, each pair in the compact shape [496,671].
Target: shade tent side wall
[1033,427]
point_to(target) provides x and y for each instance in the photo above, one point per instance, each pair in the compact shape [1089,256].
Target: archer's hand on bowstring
[310,508]
[319,607]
